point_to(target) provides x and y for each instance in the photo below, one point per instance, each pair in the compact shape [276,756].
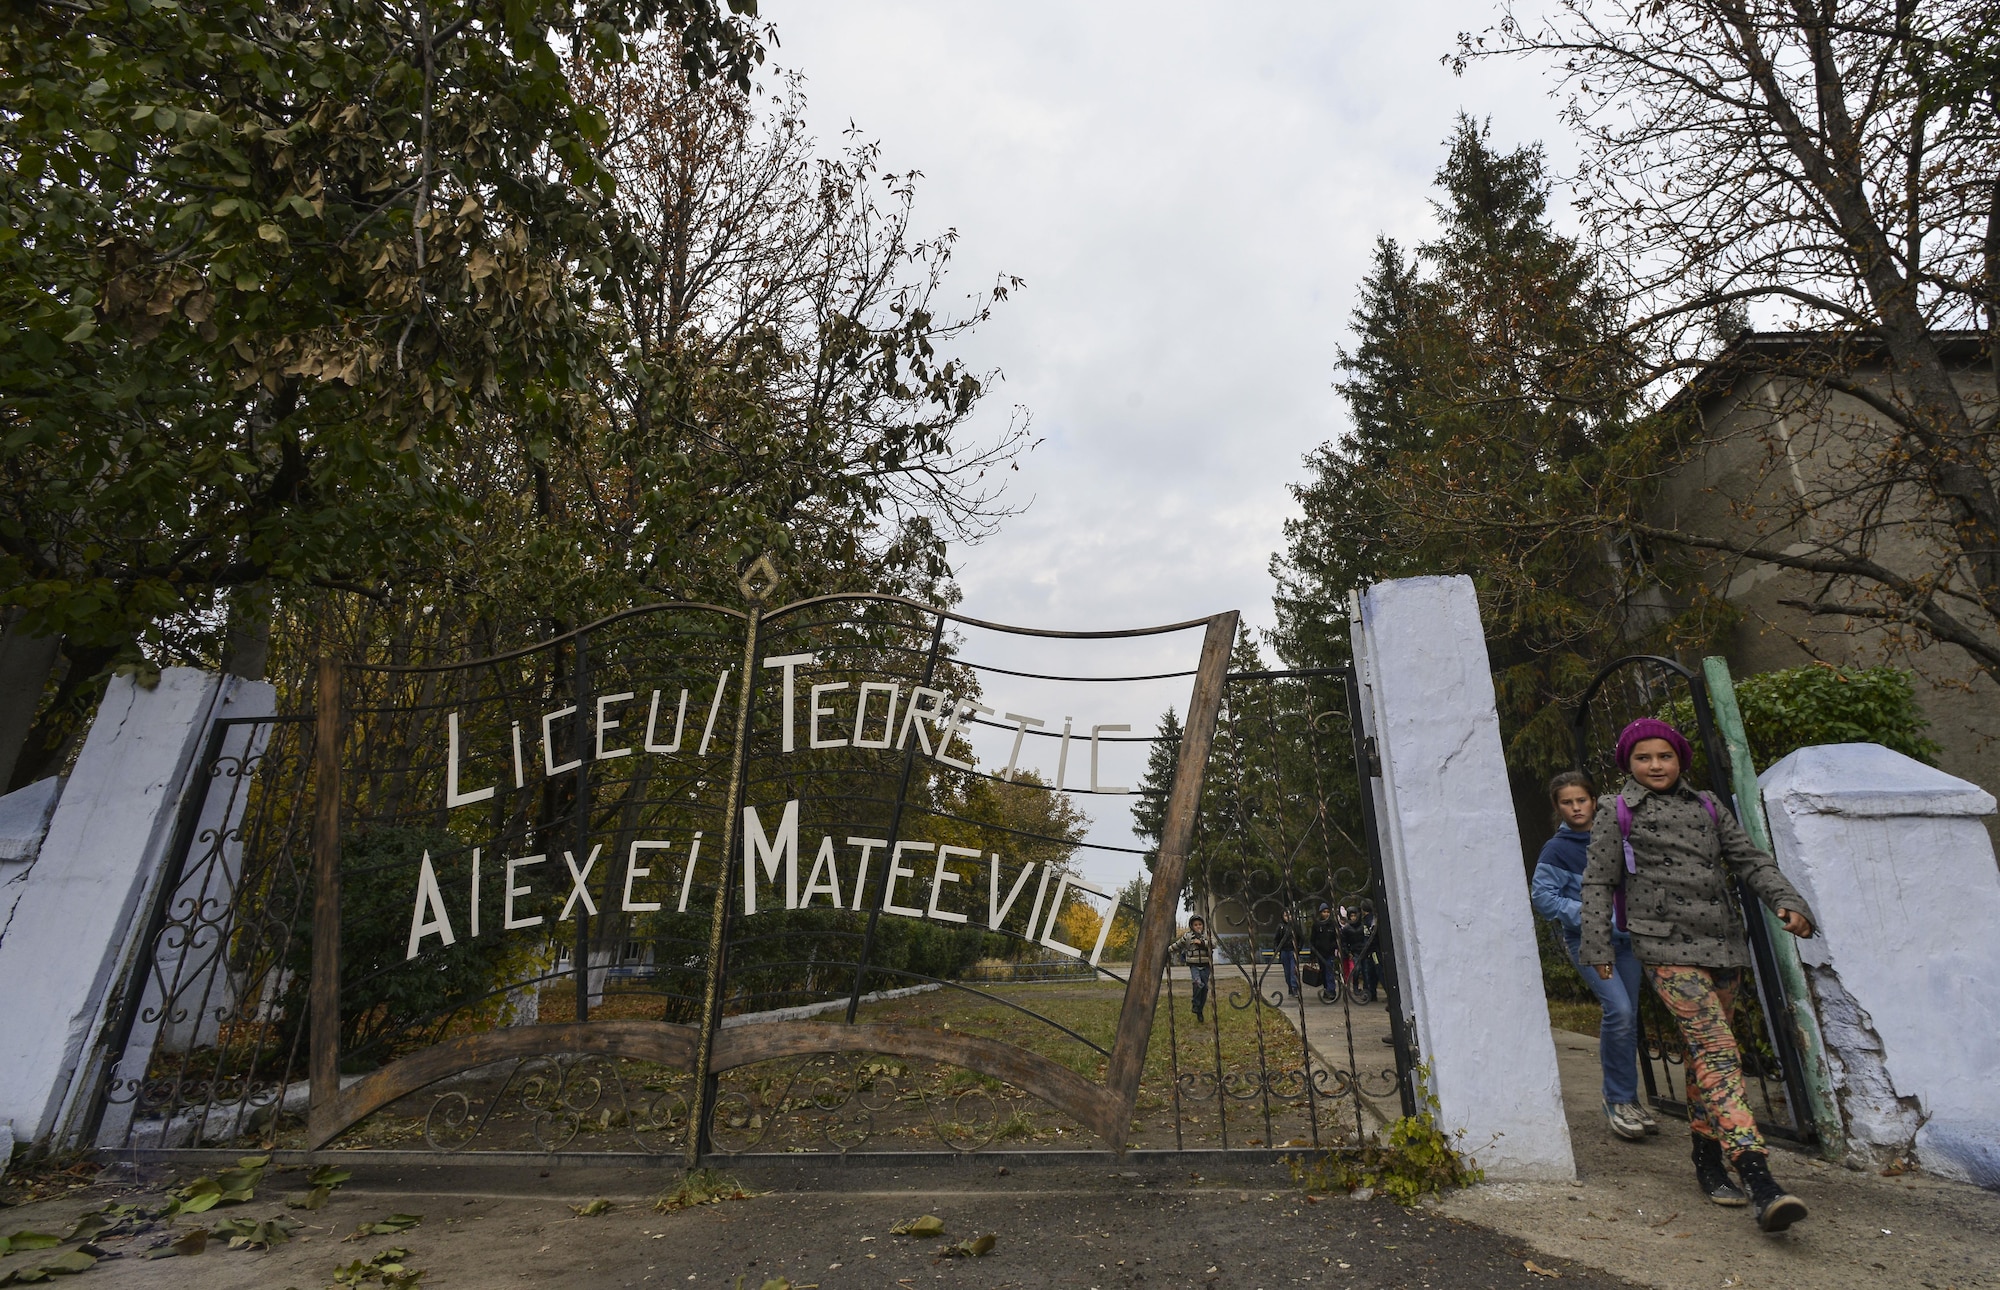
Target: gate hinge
[1374,757]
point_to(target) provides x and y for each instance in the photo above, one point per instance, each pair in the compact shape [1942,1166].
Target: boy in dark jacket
[1288,942]
[1362,946]
[1668,876]
[1326,947]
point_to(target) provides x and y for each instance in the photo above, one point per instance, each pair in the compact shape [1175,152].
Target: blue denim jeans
[1290,958]
[1618,1033]
[1199,977]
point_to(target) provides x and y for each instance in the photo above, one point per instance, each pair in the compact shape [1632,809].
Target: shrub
[1415,1159]
[1821,704]
[386,999]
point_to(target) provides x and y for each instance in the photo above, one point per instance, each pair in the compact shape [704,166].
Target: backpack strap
[1624,814]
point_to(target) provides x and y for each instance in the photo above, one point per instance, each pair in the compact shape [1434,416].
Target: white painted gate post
[1905,971]
[1463,933]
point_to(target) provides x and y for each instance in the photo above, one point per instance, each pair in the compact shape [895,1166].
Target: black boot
[1713,1175]
[1777,1209]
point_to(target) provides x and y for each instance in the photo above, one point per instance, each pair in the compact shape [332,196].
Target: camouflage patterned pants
[1701,1000]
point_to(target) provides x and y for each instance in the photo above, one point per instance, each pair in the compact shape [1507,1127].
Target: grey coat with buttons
[1677,905]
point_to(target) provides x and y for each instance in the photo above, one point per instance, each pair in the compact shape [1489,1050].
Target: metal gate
[707,882]
[1287,830]
[1647,685]
[198,1046]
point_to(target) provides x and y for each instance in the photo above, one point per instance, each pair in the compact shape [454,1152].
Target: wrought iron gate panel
[202,1039]
[692,880]
[1645,685]
[792,885]
[1287,827]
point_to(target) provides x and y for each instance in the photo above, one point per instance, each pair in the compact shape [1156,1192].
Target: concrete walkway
[1635,1209]
[1345,1036]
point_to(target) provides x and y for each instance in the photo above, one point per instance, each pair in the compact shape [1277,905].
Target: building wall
[1770,447]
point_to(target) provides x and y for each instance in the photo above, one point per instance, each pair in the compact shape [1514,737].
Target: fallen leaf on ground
[386,1268]
[230,1186]
[66,1264]
[28,1241]
[926,1225]
[1539,1270]
[593,1209]
[976,1248]
[703,1187]
[386,1226]
[253,1234]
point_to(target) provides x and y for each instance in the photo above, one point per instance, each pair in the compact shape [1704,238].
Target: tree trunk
[246,646]
[65,718]
[26,662]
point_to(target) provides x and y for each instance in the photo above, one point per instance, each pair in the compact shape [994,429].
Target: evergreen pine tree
[1489,394]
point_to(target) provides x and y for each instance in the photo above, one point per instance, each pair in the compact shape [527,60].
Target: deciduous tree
[260,268]
[1830,166]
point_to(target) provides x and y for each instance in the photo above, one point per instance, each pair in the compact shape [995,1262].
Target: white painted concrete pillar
[1464,934]
[71,929]
[1905,972]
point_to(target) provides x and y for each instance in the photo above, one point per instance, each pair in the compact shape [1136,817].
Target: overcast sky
[1190,192]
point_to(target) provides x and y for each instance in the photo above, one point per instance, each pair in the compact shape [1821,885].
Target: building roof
[1758,352]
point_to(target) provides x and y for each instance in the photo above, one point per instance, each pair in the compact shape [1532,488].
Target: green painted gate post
[1821,1106]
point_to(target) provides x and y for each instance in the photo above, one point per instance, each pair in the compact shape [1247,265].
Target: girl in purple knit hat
[1661,860]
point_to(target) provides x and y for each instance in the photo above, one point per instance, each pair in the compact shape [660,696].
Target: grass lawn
[1582,1018]
[1241,1078]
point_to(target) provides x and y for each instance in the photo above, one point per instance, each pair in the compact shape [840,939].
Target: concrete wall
[72,925]
[1464,934]
[1905,973]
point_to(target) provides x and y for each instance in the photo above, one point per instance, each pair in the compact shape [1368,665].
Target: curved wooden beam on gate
[647,1041]
[1087,1101]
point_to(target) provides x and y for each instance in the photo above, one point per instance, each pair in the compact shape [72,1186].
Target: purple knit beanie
[1649,728]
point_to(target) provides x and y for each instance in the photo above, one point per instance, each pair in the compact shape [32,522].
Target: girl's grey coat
[1676,906]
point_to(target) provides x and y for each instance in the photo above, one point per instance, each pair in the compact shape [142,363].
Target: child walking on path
[1661,860]
[1557,895]
[1197,952]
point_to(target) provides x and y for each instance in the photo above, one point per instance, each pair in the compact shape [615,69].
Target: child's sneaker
[1624,1120]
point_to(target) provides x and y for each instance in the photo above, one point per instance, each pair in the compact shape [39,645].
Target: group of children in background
[1639,883]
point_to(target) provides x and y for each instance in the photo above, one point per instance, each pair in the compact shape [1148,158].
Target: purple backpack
[1624,814]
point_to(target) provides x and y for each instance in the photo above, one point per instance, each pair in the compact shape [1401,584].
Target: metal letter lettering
[507,920]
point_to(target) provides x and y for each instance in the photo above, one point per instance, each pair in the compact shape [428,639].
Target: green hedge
[1821,704]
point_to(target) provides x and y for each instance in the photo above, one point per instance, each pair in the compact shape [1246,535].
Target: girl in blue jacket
[1557,894]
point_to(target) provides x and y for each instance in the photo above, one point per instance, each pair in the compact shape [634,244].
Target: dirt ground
[1055,1225]
[1633,1212]
[1635,1209]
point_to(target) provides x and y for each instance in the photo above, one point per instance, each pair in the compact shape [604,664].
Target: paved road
[1057,1225]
